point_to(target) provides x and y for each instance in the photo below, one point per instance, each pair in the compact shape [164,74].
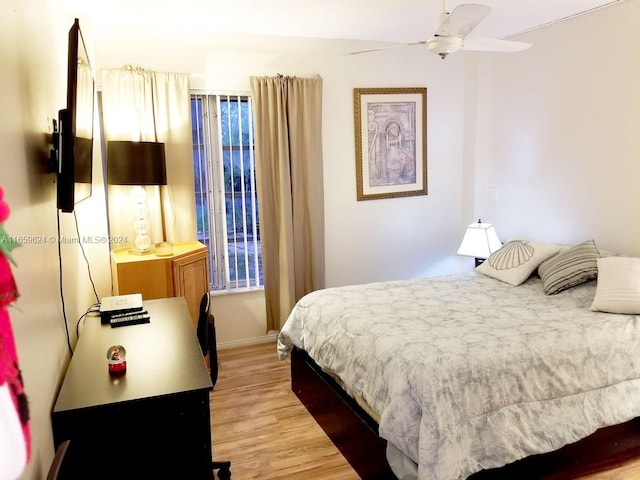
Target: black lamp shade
[136,163]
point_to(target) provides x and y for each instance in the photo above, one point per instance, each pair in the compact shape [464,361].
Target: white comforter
[466,372]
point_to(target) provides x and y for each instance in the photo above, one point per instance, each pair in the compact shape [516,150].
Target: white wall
[33,51]
[393,238]
[559,133]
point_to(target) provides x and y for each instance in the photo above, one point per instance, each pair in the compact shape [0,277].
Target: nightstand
[184,273]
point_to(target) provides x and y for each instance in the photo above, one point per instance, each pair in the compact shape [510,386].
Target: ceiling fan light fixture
[443,46]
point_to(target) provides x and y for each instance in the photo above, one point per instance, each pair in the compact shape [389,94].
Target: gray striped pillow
[570,267]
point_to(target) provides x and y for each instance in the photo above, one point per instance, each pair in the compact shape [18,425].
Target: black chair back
[207,336]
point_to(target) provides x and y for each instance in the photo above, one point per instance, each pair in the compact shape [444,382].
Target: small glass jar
[164,249]
[117,360]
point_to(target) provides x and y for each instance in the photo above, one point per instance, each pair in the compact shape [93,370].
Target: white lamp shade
[480,240]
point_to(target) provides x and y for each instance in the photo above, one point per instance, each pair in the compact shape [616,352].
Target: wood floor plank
[261,426]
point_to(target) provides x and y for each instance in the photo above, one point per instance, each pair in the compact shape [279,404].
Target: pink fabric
[9,369]
[4,207]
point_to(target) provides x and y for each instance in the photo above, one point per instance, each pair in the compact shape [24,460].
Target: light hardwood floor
[260,425]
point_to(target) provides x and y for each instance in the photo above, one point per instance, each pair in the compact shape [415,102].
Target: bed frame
[355,434]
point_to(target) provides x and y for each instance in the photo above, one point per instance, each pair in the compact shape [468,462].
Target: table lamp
[480,240]
[137,164]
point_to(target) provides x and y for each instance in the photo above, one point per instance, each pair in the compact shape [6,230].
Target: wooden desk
[152,422]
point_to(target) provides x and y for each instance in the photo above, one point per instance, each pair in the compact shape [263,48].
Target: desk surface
[163,358]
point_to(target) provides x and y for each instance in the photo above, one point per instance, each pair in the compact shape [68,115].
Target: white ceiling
[373,20]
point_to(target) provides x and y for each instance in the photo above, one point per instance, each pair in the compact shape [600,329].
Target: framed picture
[391,142]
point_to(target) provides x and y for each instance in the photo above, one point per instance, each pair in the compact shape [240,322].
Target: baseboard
[268,338]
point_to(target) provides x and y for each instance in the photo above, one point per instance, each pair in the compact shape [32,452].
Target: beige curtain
[288,137]
[142,105]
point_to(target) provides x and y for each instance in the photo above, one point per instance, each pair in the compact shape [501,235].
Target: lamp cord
[95,308]
[93,285]
[64,312]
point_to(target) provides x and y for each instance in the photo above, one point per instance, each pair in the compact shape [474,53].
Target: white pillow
[618,288]
[516,260]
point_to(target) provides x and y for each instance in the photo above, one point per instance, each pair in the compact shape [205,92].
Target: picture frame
[391,142]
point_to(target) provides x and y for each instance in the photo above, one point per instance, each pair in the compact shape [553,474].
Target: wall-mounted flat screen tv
[75,156]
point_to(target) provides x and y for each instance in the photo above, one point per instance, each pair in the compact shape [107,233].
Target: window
[225,193]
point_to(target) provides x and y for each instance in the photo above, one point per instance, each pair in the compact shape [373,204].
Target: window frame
[215,196]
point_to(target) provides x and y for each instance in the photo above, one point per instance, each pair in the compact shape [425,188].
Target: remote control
[129,314]
[135,319]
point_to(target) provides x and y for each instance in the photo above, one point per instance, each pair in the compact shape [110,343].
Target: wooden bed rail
[348,426]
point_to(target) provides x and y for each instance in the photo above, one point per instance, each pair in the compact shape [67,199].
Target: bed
[464,373]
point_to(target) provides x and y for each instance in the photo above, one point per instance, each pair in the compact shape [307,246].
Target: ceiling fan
[452,29]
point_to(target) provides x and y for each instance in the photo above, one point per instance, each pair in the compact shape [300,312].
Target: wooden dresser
[184,273]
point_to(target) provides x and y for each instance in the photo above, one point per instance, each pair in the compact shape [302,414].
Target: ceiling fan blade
[422,42]
[493,45]
[462,20]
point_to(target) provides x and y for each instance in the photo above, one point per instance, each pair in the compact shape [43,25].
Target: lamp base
[479,261]
[140,251]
